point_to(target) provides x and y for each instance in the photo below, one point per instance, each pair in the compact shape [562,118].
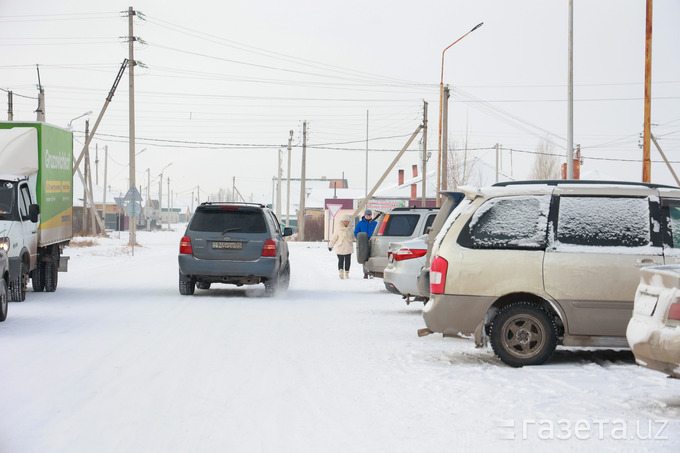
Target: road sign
[334,208]
[133,209]
[133,194]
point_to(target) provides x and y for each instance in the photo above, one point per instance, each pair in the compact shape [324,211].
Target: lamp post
[160,196]
[69,125]
[441,99]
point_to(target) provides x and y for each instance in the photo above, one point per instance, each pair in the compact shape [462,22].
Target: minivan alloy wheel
[523,334]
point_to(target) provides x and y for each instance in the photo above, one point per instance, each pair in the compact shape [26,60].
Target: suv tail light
[269,248]
[185,246]
[407,254]
[383,225]
[438,270]
[673,317]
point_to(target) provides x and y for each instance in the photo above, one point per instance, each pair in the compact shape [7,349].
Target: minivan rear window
[232,220]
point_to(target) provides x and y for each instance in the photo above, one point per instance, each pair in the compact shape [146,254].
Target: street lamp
[441,102]
[160,197]
[69,127]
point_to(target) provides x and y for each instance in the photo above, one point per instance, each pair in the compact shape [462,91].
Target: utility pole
[198,195]
[160,202]
[290,140]
[497,158]
[131,73]
[96,163]
[424,166]
[303,175]
[86,169]
[646,146]
[570,96]
[278,188]
[366,188]
[168,202]
[445,142]
[148,199]
[233,188]
[41,99]
[10,107]
[106,161]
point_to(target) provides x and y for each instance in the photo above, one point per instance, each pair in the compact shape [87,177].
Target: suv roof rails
[556,182]
[230,203]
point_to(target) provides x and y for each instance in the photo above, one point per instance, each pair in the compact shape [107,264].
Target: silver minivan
[530,265]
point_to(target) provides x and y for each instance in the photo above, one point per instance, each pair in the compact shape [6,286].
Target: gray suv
[234,243]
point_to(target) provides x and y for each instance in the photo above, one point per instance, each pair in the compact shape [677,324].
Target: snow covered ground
[117,361]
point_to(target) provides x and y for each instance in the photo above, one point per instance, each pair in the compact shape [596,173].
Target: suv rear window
[228,219]
[401,225]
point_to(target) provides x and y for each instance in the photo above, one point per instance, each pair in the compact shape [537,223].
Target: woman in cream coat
[343,241]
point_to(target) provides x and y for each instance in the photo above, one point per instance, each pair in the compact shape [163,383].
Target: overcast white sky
[224,82]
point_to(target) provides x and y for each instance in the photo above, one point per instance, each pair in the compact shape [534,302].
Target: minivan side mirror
[33,212]
[287,232]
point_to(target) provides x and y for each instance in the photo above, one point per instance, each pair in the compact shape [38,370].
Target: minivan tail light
[185,246]
[383,225]
[407,254]
[438,269]
[269,248]
[673,314]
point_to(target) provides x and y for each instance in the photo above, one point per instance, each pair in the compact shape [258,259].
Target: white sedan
[654,329]
[404,262]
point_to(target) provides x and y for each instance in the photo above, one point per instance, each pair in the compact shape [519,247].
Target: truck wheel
[3,299]
[51,271]
[523,334]
[17,288]
[38,277]
[363,248]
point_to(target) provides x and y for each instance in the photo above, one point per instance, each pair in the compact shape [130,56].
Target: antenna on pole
[41,99]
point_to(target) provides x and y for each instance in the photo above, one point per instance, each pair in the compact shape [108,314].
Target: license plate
[645,304]
[227,245]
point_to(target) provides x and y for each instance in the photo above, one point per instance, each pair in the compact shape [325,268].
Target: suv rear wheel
[186,287]
[523,334]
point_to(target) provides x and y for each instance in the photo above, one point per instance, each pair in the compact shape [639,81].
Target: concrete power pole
[303,175]
[106,161]
[131,74]
[278,187]
[86,170]
[445,140]
[10,107]
[168,202]
[290,139]
[424,166]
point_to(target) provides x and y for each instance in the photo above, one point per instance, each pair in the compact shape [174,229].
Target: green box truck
[36,203]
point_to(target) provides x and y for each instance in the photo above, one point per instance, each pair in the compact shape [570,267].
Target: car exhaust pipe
[424,332]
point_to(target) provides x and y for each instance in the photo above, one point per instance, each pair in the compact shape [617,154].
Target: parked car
[233,243]
[654,329]
[4,283]
[450,201]
[398,224]
[404,262]
[533,264]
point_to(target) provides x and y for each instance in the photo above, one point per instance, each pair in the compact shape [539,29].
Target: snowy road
[117,361]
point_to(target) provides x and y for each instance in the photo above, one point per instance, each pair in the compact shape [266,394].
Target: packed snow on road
[116,360]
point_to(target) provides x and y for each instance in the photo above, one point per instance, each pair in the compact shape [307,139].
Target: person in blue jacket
[365,225]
